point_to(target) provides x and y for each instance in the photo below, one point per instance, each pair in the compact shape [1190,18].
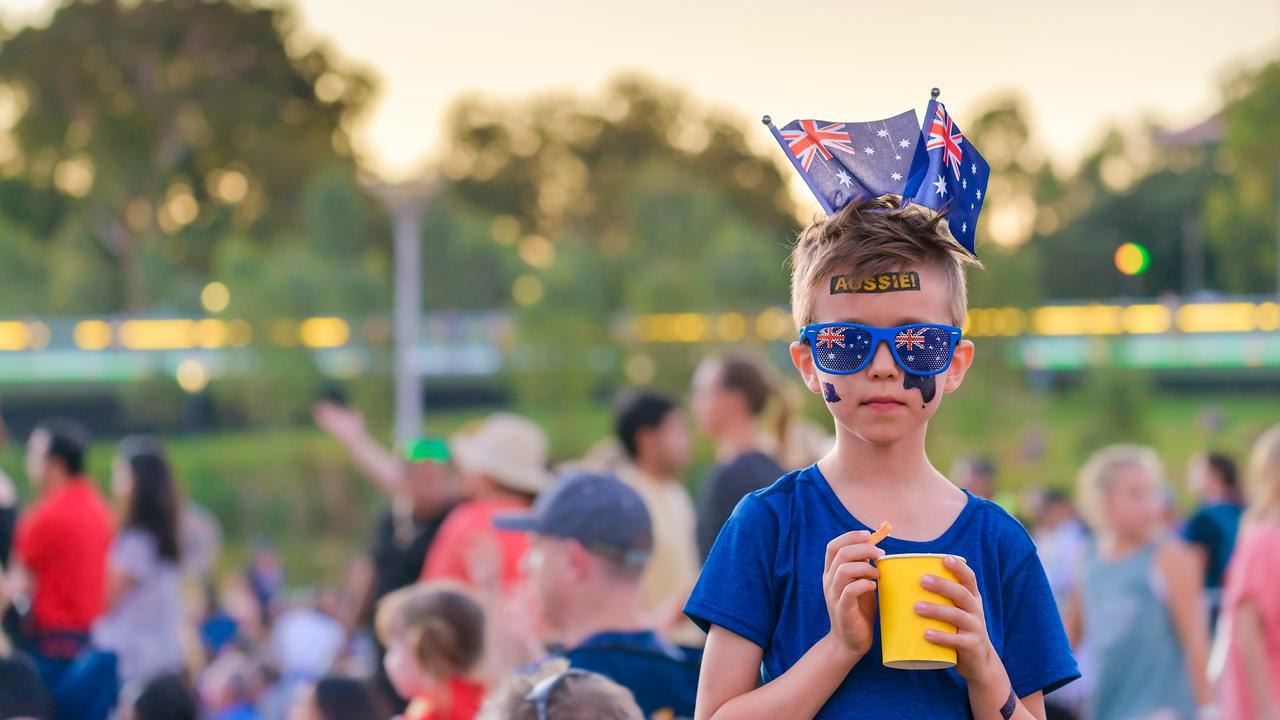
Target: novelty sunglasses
[842,348]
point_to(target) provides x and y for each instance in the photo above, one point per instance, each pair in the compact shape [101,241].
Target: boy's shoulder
[999,527]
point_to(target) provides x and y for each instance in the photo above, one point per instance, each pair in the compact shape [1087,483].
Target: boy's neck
[901,467]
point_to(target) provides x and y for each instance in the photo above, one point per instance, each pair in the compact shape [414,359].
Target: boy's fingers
[854,590]
[849,538]
[858,552]
[963,572]
[953,591]
[945,639]
[947,614]
[853,570]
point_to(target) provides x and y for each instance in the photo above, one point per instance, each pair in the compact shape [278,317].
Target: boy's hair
[870,237]
[442,623]
[1099,474]
[577,696]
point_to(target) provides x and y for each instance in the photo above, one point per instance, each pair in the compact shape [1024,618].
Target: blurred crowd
[500,586]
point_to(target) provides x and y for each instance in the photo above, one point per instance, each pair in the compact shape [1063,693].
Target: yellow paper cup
[902,640]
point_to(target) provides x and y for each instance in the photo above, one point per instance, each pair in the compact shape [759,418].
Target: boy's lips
[883,402]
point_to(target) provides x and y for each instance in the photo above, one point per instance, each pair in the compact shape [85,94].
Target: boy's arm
[729,686]
[991,694]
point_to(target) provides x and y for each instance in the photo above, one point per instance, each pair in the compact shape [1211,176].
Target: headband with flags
[934,166]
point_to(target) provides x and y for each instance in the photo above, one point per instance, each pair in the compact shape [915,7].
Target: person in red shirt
[503,465]
[61,542]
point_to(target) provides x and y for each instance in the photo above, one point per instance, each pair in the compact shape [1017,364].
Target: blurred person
[9,622]
[421,490]
[1139,602]
[231,687]
[335,698]
[557,692]
[730,394]
[977,475]
[1062,542]
[435,638]
[1211,530]
[144,618]
[592,537]
[1250,681]
[265,575]
[60,563]
[22,692]
[419,484]
[306,640]
[163,697]
[655,436]
[503,465]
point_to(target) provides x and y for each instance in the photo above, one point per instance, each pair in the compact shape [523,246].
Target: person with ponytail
[434,633]
[1251,599]
[143,621]
[731,393]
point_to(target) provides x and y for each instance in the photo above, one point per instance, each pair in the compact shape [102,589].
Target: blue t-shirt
[763,581]
[662,677]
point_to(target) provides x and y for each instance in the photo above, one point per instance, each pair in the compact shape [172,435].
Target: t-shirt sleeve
[1201,530]
[735,589]
[1036,653]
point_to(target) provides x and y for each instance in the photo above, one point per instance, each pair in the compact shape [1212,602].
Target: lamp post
[407,201]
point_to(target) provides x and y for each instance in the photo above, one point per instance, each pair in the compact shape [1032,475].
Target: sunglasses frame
[540,694]
[809,334]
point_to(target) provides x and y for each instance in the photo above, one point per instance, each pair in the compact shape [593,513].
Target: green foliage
[178,122]
[1241,213]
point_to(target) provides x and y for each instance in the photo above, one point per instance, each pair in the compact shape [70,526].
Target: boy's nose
[883,366]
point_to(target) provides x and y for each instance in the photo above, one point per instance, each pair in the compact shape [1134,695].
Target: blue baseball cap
[597,510]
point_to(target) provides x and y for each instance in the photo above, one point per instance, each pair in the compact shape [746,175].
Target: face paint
[927,385]
[829,393]
[882,283]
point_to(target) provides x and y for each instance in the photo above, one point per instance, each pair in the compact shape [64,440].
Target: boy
[788,591]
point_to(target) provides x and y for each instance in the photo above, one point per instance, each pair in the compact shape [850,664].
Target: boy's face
[881,404]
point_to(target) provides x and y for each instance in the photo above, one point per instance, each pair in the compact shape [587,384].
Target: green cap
[427,450]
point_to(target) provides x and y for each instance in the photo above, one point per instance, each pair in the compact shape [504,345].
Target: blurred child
[164,697]
[434,635]
[1139,601]
[555,691]
[1251,611]
[334,698]
[231,687]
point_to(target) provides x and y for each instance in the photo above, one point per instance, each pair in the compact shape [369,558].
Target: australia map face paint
[829,393]
[927,385]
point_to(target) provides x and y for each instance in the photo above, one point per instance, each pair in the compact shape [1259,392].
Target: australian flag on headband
[934,166]
[950,176]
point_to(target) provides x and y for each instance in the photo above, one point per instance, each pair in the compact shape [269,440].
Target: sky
[1080,66]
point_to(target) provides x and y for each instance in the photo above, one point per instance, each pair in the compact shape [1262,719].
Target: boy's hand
[848,583]
[976,659]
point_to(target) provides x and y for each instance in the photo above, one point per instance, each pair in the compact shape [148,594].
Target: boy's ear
[803,360]
[960,363]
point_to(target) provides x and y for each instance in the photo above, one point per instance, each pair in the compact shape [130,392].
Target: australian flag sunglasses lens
[846,349]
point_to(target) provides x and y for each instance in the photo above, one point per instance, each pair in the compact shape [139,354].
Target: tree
[165,125]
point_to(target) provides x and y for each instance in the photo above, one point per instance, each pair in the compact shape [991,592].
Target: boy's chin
[882,434]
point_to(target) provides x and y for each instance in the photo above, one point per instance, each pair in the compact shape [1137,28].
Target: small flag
[949,175]
[846,161]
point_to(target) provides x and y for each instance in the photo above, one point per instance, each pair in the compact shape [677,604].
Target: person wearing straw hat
[502,465]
